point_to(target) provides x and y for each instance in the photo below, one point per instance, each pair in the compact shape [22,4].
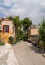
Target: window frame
[5,31]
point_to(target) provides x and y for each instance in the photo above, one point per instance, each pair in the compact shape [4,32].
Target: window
[6,28]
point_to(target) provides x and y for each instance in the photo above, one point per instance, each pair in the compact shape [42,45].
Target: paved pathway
[26,54]
[7,56]
[22,53]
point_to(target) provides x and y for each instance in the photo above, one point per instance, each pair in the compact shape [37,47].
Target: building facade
[33,33]
[7,29]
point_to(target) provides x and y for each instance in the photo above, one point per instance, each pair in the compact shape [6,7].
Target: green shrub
[2,43]
[11,40]
[41,44]
[24,37]
[15,41]
[42,32]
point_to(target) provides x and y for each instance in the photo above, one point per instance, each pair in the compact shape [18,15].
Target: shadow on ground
[35,49]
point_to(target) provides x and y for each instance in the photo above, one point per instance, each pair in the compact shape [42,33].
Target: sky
[34,9]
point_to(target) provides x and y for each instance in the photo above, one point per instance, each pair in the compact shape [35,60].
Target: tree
[26,23]
[17,24]
[10,17]
[42,32]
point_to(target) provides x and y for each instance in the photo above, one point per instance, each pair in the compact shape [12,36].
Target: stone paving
[7,56]
[27,54]
[22,53]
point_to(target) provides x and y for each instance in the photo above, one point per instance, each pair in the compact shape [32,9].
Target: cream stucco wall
[5,36]
[34,31]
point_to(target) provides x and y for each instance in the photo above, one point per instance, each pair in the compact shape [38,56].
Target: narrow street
[22,53]
[7,56]
[26,54]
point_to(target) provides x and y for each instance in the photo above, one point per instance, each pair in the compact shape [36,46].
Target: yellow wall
[4,36]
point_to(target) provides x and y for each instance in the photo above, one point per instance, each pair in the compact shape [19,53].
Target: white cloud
[8,2]
[31,8]
[43,4]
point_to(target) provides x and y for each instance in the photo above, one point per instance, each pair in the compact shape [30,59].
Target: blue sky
[34,9]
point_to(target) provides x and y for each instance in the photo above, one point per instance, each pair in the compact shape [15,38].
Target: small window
[6,28]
